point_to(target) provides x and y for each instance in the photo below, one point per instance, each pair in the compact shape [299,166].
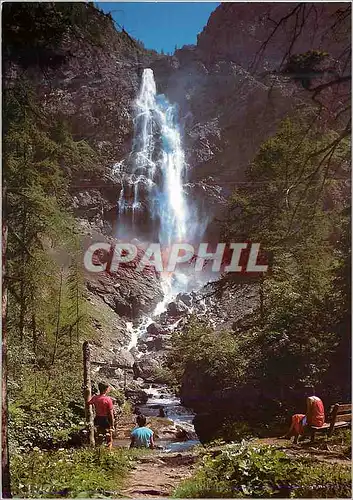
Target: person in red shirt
[315,416]
[104,419]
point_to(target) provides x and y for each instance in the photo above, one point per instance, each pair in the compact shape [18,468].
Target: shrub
[245,470]
[70,473]
[118,396]
[42,423]
[323,480]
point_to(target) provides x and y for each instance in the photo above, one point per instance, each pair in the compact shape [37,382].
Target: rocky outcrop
[147,367]
[130,292]
[155,329]
[237,32]
[177,308]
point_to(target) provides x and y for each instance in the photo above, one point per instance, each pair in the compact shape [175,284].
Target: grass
[85,473]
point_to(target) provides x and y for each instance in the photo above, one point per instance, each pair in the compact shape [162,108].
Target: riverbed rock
[122,307]
[136,396]
[134,352]
[155,343]
[146,367]
[185,431]
[115,377]
[186,298]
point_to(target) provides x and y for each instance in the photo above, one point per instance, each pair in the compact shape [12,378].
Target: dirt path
[158,474]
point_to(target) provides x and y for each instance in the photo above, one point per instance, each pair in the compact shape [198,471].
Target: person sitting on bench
[315,415]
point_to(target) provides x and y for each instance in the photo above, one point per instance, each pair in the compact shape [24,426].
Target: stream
[160,396]
[153,190]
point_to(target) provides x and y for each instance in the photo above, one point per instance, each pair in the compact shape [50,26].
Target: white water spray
[157,174]
[152,205]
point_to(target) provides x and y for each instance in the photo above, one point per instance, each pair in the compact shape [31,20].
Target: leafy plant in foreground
[246,470]
[70,473]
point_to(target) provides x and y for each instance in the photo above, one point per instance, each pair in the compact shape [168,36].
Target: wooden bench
[339,416]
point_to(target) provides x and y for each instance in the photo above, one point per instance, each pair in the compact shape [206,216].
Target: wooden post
[333,419]
[87,391]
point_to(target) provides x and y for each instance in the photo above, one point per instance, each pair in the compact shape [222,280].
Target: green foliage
[33,33]
[246,470]
[289,214]
[296,229]
[119,396]
[70,473]
[299,332]
[212,359]
[305,67]
[43,422]
[342,438]
[236,430]
[46,404]
[47,314]
[164,375]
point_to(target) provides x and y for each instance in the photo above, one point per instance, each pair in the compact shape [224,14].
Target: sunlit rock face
[238,32]
[229,98]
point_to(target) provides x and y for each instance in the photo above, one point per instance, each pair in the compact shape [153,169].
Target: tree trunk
[6,483]
[87,391]
[57,332]
[23,274]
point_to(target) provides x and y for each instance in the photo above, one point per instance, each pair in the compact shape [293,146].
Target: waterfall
[152,205]
[152,194]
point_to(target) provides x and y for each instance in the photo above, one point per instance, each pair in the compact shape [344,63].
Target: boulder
[177,308]
[154,343]
[115,377]
[155,329]
[123,307]
[136,396]
[124,359]
[146,368]
[142,347]
[186,298]
[185,431]
[207,426]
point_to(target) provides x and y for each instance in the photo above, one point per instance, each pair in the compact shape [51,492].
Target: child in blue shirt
[141,436]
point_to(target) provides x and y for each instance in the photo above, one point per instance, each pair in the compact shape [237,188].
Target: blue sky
[161,25]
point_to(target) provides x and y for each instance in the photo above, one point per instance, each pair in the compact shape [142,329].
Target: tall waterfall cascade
[152,203]
[152,206]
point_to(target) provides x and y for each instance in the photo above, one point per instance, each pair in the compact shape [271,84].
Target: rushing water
[152,207]
[161,397]
[152,203]
[153,194]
